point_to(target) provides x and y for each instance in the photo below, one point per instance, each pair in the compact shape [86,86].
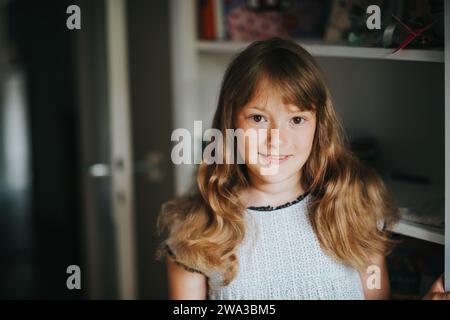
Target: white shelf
[421,209]
[203,62]
[324,50]
[419,231]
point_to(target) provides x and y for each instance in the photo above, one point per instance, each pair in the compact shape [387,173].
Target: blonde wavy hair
[349,200]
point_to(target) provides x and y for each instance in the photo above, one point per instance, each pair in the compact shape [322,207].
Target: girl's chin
[272,175]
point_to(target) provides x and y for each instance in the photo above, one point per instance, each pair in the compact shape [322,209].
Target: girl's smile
[269,159]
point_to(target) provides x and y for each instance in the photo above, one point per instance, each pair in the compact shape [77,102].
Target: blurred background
[86,116]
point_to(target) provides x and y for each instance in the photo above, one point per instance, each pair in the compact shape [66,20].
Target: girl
[316,229]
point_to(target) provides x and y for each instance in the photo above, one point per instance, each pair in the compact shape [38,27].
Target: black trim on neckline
[287,204]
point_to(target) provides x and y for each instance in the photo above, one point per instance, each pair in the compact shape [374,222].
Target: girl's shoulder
[170,253]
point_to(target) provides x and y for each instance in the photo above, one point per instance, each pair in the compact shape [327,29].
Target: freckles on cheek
[304,144]
[302,149]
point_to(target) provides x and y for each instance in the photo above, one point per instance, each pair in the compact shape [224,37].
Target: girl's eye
[297,120]
[257,117]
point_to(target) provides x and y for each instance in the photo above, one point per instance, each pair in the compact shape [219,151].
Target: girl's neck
[274,194]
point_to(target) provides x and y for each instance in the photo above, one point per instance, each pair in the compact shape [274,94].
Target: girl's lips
[273,158]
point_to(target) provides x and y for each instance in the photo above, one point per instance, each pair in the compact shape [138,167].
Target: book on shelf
[206,19]
[249,20]
[219,19]
[211,19]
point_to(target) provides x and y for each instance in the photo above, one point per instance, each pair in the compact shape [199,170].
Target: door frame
[103,79]
[121,146]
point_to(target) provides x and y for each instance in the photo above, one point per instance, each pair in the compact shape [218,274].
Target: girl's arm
[376,285]
[185,285]
[437,291]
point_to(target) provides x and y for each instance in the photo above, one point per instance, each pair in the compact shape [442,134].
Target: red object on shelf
[207,23]
[412,34]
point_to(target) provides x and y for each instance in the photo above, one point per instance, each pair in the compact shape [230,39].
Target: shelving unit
[198,66]
[420,231]
[319,49]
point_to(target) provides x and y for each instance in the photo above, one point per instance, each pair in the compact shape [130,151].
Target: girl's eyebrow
[297,109]
[291,109]
[302,111]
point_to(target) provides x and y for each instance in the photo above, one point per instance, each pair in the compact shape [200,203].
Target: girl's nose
[278,137]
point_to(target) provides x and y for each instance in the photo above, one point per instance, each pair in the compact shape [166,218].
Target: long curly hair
[348,199]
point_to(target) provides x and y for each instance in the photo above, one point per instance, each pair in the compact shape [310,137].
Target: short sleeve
[173,256]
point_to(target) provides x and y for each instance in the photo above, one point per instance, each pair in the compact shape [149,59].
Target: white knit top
[280,258]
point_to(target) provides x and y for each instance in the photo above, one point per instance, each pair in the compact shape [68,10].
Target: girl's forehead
[271,101]
[270,92]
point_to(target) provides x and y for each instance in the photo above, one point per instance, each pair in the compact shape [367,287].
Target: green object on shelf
[356,40]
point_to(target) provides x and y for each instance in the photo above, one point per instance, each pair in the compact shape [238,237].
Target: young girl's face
[296,128]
